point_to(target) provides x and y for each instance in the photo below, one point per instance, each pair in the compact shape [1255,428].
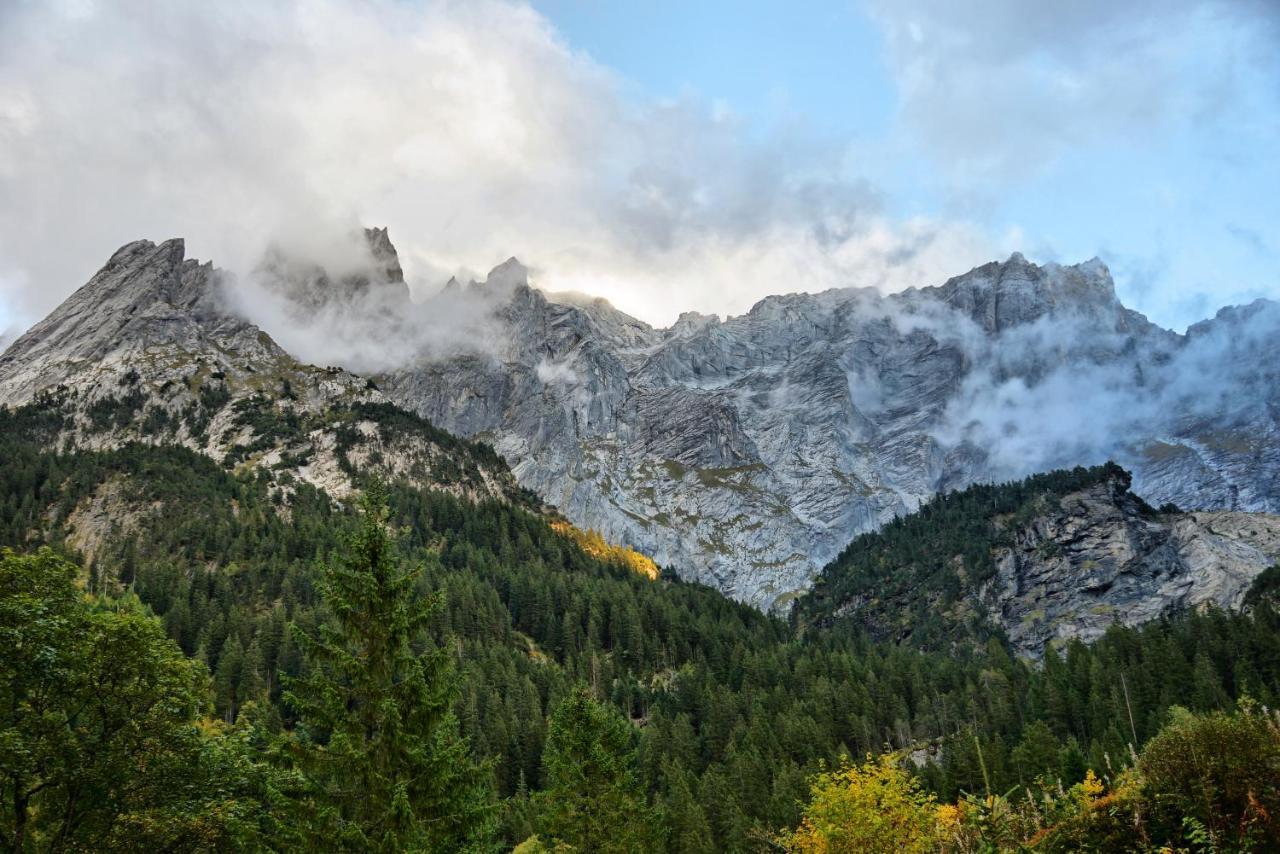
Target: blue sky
[1183,203]
[665,155]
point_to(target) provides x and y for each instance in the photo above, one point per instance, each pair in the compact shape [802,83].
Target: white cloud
[470,129]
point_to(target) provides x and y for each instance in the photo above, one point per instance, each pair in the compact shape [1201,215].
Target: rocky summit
[150,350]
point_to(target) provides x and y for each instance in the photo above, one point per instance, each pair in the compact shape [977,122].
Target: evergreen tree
[592,800]
[687,823]
[385,766]
[226,678]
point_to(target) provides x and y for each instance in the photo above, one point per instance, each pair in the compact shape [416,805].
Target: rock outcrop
[1097,557]
[1055,557]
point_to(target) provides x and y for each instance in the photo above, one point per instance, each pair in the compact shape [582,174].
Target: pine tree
[376,740]
[252,686]
[689,830]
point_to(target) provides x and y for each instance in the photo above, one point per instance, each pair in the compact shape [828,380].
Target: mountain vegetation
[316,652]
[910,580]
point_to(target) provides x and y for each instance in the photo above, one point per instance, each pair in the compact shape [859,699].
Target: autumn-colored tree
[872,807]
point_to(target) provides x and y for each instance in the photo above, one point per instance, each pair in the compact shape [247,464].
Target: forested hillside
[706,719]
[1040,562]
[909,580]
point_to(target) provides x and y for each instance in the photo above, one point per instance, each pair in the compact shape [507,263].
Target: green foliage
[1218,776]
[99,742]
[376,739]
[1265,588]
[732,711]
[592,800]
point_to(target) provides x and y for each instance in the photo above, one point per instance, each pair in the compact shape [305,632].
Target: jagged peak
[690,322]
[384,253]
[174,249]
[1095,266]
[510,273]
[1234,315]
[1002,294]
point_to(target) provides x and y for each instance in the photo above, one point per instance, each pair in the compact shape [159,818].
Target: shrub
[1222,772]
[872,807]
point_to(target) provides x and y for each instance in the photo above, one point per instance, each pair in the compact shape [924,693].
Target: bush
[1216,775]
[872,807]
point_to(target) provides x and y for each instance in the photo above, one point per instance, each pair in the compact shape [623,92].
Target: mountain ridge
[149,351]
[742,452]
[883,392]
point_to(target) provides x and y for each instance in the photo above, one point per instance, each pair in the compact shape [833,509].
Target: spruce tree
[226,678]
[592,801]
[377,743]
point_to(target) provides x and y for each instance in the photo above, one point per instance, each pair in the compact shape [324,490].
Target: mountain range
[744,453]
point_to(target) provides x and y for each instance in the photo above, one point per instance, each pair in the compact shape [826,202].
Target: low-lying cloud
[1065,391]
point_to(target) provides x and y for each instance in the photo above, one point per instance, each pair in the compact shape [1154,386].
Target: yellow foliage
[872,807]
[595,545]
[950,816]
[1087,790]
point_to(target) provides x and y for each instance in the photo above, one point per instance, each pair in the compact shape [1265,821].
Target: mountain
[745,452]
[1056,557]
[150,351]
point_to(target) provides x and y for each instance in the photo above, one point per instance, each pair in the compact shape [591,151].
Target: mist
[1062,391]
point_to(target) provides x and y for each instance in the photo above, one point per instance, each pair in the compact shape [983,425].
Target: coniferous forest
[230,660]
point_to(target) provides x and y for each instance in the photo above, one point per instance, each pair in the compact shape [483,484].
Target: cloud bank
[470,129]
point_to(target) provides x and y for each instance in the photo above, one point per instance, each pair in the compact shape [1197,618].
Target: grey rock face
[147,351]
[1095,558]
[746,452]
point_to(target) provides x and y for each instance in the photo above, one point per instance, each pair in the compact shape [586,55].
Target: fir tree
[385,766]
[592,800]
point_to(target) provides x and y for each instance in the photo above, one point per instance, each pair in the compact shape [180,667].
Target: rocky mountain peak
[1234,316]
[508,275]
[150,350]
[691,322]
[146,295]
[998,295]
[385,255]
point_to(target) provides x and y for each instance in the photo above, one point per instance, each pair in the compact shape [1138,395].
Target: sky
[668,156]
